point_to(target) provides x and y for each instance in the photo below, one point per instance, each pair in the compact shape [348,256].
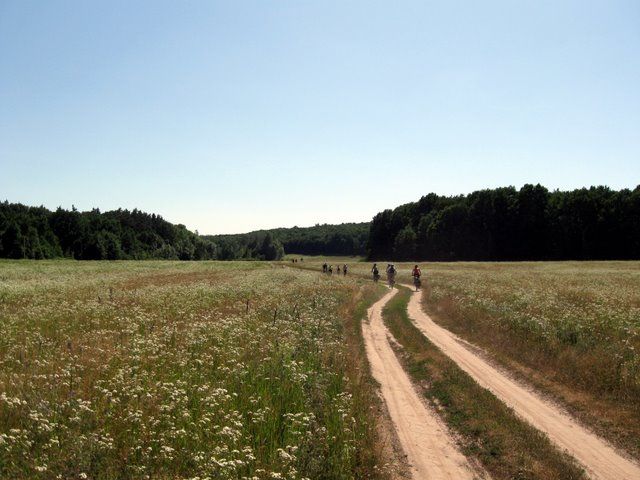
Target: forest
[38,233]
[346,239]
[532,223]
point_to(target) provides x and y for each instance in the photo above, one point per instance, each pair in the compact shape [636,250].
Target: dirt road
[425,440]
[599,459]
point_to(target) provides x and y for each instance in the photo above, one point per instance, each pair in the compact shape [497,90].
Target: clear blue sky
[232,116]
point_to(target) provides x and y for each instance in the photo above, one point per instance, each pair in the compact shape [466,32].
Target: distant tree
[404,245]
[381,236]
[447,233]
[271,249]
[532,222]
[165,252]
[12,241]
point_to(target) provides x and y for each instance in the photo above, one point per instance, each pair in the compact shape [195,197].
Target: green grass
[164,370]
[488,431]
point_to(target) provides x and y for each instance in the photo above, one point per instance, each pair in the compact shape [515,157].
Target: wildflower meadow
[158,370]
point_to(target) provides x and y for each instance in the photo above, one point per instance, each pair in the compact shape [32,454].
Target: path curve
[430,450]
[600,460]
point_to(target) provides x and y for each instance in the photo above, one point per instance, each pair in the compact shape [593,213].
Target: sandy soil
[600,459]
[431,451]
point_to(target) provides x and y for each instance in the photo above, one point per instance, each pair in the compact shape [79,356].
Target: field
[570,328]
[584,314]
[256,370]
[182,370]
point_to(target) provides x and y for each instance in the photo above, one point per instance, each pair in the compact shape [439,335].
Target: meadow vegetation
[255,370]
[570,324]
[182,370]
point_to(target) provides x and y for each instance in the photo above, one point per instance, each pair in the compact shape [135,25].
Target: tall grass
[572,328]
[173,370]
[581,320]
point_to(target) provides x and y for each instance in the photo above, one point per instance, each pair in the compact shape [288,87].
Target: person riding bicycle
[391,274]
[376,272]
[416,273]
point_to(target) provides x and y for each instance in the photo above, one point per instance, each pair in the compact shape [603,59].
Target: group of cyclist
[391,272]
[329,269]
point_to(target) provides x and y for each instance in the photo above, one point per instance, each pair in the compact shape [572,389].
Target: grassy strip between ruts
[487,430]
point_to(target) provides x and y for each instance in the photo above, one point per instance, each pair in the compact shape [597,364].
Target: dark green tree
[404,245]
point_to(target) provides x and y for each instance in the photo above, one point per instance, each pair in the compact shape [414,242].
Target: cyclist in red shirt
[416,273]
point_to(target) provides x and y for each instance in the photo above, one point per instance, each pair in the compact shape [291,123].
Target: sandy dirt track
[599,459]
[431,452]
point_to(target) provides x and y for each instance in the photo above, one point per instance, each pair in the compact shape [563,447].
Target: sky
[234,116]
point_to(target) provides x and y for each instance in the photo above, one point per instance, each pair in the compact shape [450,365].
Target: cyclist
[376,272]
[416,273]
[391,274]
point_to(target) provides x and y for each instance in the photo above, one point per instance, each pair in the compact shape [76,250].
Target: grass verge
[487,430]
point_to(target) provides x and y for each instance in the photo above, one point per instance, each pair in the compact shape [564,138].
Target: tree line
[247,246]
[346,239]
[38,233]
[532,223]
